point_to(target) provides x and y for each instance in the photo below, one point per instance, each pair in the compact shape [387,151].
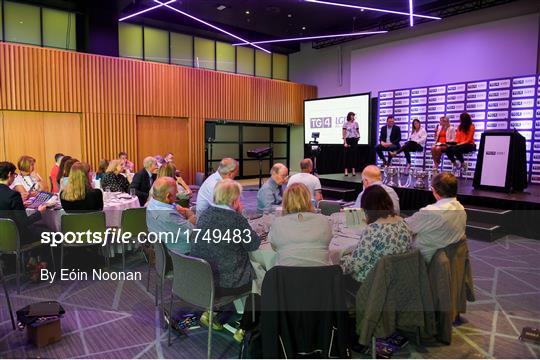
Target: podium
[501,164]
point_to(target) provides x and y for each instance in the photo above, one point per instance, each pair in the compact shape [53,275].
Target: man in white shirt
[311,181]
[441,224]
[228,169]
[371,175]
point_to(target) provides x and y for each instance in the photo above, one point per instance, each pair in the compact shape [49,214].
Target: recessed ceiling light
[221,7]
[303,28]
[247,12]
[362,10]
[289,15]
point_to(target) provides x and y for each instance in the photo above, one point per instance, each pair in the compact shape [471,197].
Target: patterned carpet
[117,319]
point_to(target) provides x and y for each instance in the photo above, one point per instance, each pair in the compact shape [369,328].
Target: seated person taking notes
[270,194]
[385,234]
[441,224]
[163,215]
[371,175]
[228,169]
[305,177]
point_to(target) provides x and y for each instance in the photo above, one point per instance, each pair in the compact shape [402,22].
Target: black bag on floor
[41,311]
[251,347]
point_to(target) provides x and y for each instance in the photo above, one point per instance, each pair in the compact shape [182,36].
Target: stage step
[484,231]
[338,193]
[488,218]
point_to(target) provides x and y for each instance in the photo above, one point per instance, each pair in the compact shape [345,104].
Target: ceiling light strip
[212,26]
[372,9]
[314,37]
[146,10]
[411,17]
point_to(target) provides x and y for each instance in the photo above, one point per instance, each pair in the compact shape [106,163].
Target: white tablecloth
[113,205]
[344,239]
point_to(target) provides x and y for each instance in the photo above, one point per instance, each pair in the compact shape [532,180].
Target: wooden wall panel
[158,135]
[61,133]
[110,93]
[23,132]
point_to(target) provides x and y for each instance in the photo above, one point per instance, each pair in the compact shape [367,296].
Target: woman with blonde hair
[300,237]
[114,179]
[65,173]
[445,134]
[78,194]
[27,180]
[184,192]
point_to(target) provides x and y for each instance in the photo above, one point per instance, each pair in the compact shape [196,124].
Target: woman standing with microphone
[351,135]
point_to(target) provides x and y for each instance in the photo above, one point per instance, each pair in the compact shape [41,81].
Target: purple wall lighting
[498,104]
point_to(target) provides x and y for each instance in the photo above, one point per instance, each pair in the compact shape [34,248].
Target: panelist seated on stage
[300,237]
[389,139]
[416,142]
[441,224]
[445,135]
[371,175]
[78,195]
[386,234]
[310,181]
[144,178]
[464,142]
[164,216]
[270,194]
[12,206]
[228,169]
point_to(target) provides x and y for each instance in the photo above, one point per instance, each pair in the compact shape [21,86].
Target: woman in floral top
[386,234]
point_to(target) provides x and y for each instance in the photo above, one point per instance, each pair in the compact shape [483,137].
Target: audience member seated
[144,178]
[169,170]
[160,160]
[65,173]
[388,140]
[385,234]
[12,207]
[114,179]
[371,175]
[102,169]
[311,181]
[228,169]
[465,142]
[61,167]
[415,143]
[164,216]
[300,237]
[445,134]
[79,196]
[54,172]
[270,193]
[128,165]
[27,180]
[169,158]
[233,272]
[443,223]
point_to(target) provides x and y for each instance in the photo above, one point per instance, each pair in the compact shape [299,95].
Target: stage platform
[521,210]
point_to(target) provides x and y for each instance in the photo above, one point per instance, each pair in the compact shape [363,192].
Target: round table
[113,205]
[345,237]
